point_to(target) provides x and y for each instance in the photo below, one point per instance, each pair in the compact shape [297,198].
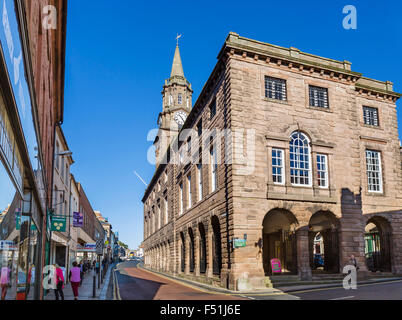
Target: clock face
[180,117]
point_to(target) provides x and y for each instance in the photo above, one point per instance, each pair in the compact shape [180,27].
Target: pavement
[133,282]
[85,291]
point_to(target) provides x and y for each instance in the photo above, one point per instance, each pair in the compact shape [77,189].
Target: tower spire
[177,67]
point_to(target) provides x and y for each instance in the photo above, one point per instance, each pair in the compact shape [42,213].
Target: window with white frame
[373,169]
[199,174]
[278,172]
[179,99]
[300,169]
[318,97]
[322,170]
[189,192]
[370,116]
[275,88]
[181,198]
[214,169]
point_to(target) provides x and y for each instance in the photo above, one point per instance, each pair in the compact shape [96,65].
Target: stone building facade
[285,155]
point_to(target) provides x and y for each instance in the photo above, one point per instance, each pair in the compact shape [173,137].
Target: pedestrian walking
[4,281]
[75,279]
[59,283]
[353,262]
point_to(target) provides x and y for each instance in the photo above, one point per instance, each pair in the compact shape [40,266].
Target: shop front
[22,191]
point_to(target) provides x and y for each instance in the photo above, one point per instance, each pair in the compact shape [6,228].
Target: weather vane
[177,38]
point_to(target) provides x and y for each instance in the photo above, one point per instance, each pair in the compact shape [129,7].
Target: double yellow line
[116,289]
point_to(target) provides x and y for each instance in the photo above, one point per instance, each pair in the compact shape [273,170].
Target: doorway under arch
[377,239]
[216,246]
[279,240]
[324,242]
[203,248]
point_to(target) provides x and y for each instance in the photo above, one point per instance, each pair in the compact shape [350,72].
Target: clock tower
[177,104]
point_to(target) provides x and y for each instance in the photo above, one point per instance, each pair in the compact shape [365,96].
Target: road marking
[116,290]
[343,298]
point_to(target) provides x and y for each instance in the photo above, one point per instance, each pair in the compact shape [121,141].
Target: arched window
[300,168]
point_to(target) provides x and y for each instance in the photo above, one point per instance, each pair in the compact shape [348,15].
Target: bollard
[94,287]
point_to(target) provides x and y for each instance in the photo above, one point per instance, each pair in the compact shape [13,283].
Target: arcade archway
[279,240]
[377,240]
[324,242]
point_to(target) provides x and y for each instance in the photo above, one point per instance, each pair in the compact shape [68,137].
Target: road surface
[134,283]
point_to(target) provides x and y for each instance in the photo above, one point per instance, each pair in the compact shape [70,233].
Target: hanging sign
[276,266]
[59,224]
[78,219]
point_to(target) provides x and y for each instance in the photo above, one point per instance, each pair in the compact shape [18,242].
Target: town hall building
[287,164]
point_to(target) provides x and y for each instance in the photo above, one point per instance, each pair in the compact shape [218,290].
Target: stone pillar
[209,272]
[187,265]
[352,232]
[197,252]
[303,254]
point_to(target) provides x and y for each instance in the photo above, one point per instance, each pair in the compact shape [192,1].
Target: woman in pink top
[4,281]
[59,281]
[75,279]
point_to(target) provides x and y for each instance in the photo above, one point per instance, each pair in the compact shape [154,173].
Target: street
[133,283]
[137,284]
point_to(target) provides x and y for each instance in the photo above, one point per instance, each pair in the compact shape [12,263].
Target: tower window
[212,109]
[170,100]
[179,99]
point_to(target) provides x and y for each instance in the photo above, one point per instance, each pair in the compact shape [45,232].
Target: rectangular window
[214,170]
[181,198]
[179,99]
[278,172]
[318,97]
[373,167]
[322,170]
[212,109]
[370,116]
[189,146]
[199,128]
[199,173]
[189,192]
[275,88]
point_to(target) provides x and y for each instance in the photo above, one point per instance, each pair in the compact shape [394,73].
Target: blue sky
[119,53]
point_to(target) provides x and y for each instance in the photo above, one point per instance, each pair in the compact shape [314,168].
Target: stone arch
[378,244]
[202,248]
[216,245]
[182,251]
[279,240]
[324,242]
[191,249]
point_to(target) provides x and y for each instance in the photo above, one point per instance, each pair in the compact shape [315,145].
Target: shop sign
[276,266]
[88,247]
[8,245]
[18,219]
[239,243]
[59,224]
[78,219]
